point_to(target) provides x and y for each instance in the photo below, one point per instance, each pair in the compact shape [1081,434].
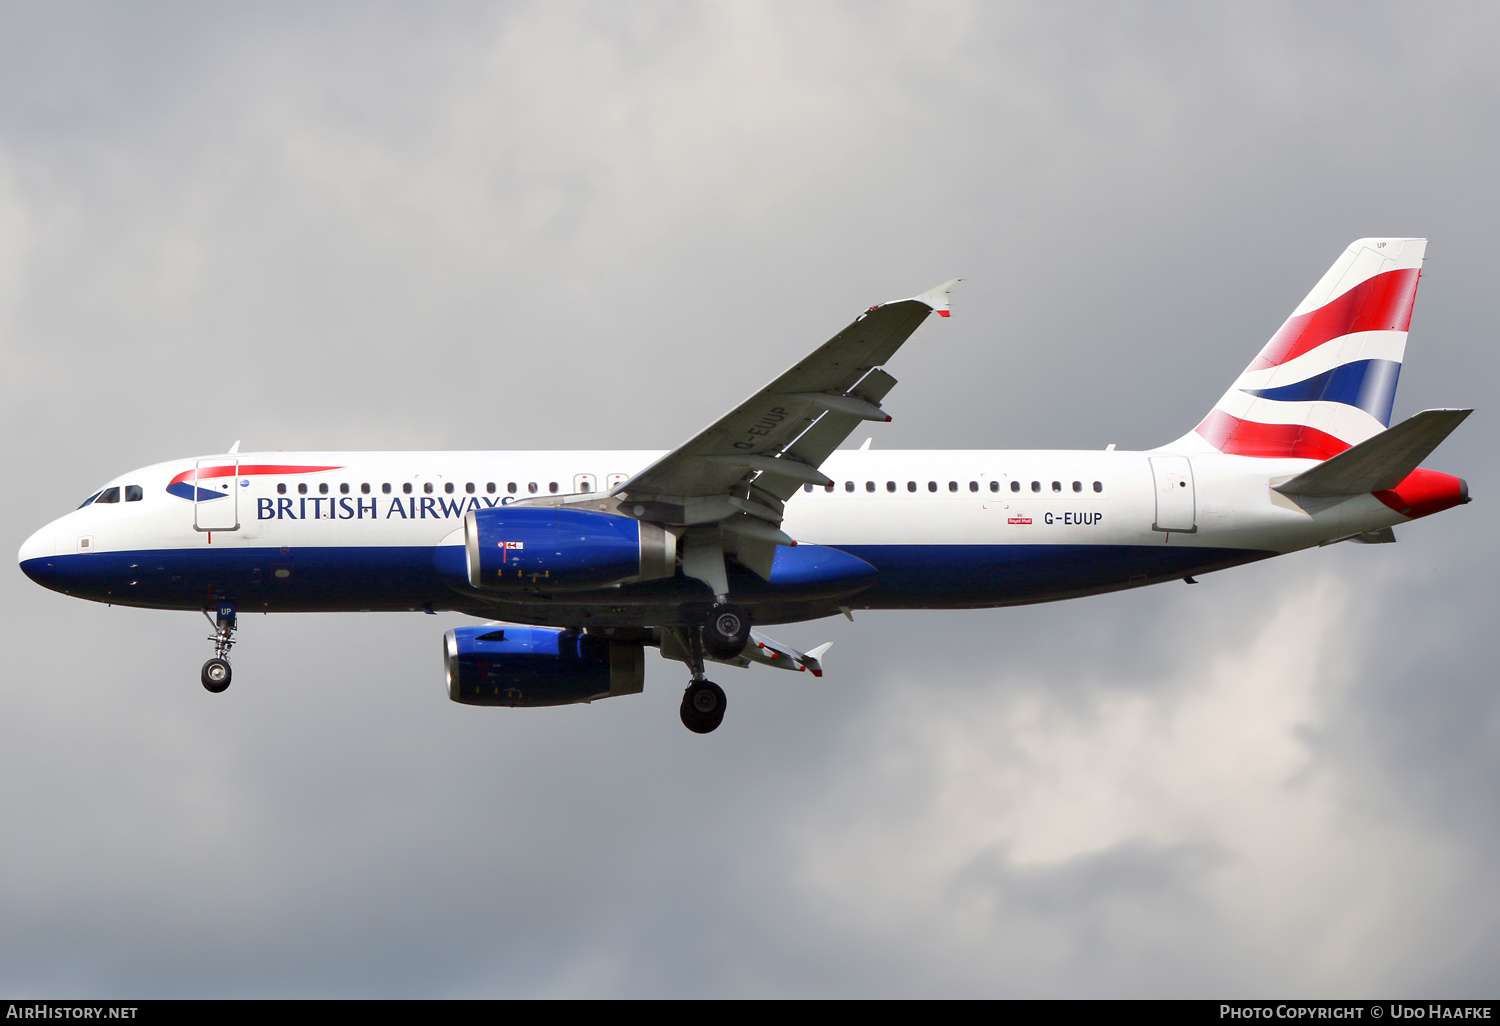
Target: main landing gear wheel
[216,675]
[703,706]
[726,631]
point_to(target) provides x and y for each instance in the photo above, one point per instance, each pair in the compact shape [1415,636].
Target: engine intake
[535,666]
[527,548]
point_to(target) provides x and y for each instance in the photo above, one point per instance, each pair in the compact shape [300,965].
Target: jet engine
[525,548]
[531,666]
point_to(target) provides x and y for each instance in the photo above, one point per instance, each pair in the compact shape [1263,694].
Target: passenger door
[216,494]
[1176,502]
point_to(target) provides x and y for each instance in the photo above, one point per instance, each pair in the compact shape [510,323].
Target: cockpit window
[109,495]
[133,493]
[90,499]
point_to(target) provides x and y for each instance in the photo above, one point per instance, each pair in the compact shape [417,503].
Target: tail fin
[1326,381]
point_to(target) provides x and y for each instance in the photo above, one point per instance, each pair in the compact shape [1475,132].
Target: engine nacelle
[531,666]
[526,548]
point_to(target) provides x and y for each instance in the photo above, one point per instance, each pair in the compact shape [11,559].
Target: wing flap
[818,442]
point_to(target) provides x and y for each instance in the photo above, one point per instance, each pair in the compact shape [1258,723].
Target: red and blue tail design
[1327,379]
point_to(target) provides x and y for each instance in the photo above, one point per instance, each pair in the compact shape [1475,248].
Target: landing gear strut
[703,702]
[216,672]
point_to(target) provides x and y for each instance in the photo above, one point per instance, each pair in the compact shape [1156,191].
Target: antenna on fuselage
[235,448]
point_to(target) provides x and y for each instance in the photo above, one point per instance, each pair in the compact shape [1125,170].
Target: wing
[749,462]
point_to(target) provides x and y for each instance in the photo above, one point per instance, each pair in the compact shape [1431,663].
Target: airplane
[579,561]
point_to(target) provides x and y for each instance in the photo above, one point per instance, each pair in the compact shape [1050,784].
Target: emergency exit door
[1176,503]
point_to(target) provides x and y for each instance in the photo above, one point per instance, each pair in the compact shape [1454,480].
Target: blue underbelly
[403,577]
[953,575]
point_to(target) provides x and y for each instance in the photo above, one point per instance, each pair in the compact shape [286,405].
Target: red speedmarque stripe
[1230,434]
[1381,303]
[246,471]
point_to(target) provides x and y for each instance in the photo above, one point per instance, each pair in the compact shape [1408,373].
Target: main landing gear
[216,672]
[703,706]
[726,631]
[703,702]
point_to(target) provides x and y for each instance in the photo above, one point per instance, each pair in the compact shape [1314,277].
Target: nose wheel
[217,672]
[216,675]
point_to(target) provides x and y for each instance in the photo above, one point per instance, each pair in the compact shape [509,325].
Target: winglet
[937,298]
[814,659]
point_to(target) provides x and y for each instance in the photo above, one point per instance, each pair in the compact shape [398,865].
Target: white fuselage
[954,512]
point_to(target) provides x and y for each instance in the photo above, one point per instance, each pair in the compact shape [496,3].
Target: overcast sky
[598,225]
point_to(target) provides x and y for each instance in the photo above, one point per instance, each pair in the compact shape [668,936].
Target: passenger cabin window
[911,486]
[344,488]
[281,488]
[848,486]
[427,487]
[869,486]
[994,486]
[973,486]
[385,489]
[890,486]
[323,488]
[364,489]
[1036,486]
[490,487]
[828,487]
[953,486]
[1078,486]
[1015,486]
[531,487]
[448,487]
[552,487]
[1098,486]
[511,487]
[469,488]
[109,495]
[405,487]
[302,488]
[932,486]
[133,493]
[1057,486]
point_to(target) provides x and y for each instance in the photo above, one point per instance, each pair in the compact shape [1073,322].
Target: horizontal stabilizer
[1380,536]
[1380,462]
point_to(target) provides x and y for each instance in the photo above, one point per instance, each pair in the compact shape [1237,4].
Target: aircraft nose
[36,555]
[39,546]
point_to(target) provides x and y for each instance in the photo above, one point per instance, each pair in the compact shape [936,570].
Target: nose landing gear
[216,672]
